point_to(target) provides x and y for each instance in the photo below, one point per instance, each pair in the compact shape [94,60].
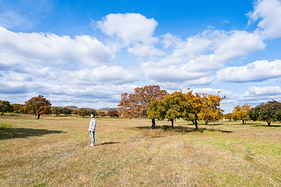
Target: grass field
[54,151]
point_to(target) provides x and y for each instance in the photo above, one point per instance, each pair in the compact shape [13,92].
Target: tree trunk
[268,123]
[243,121]
[38,116]
[196,125]
[172,123]
[206,122]
[153,124]
[2,114]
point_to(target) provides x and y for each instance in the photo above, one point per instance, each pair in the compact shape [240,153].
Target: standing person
[92,129]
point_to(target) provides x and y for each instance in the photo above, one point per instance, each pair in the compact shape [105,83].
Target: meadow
[54,151]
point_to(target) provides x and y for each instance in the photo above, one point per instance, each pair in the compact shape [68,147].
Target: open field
[54,151]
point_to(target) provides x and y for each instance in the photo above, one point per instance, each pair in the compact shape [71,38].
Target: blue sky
[86,53]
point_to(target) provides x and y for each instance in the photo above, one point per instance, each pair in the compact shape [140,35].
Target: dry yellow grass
[54,151]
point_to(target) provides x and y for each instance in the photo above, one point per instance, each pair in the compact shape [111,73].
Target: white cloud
[263,91]
[256,71]
[47,49]
[236,44]
[142,51]
[269,13]
[130,27]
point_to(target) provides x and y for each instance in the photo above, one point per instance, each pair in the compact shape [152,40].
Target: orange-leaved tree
[38,105]
[241,113]
[206,105]
[135,105]
[211,110]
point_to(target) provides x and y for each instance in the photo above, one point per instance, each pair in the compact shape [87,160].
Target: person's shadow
[12,133]
[107,143]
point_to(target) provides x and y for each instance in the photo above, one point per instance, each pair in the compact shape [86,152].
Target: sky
[86,53]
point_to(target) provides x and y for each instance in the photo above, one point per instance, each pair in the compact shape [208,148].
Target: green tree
[38,106]
[5,106]
[175,106]
[269,112]
[156,110]
[57,110]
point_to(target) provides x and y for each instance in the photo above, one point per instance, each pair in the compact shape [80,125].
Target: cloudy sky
[86,53]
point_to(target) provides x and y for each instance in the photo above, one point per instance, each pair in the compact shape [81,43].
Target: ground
[54,151]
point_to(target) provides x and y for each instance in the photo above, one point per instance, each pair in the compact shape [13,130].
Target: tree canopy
[38,105]
[269,112]
[135,105]
[5,106]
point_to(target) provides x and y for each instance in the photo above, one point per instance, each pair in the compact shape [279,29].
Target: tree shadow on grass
[12,133]
[263,125]
[183,129]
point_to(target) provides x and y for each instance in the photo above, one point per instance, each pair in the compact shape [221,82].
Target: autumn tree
[228,116]
[241,113]
[74,112]
[83,112]
[135,105]
[38,106]
[202,104]
[5,106]
[102,114]
[113,113]
[18,108]
[66,111]
[211,110]
[269,112]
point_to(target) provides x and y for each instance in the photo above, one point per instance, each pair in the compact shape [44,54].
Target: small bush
[5,125]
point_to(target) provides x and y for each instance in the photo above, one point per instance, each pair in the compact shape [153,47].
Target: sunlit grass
[54,151]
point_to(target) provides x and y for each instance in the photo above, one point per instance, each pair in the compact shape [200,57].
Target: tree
[102,114]
[83,112]
[135,105]
[113,113]
[156,110]
[57,110]
[18,108]
[175,106]
[66,111]
[228,116]
[73,111]
[211,110]
[202,105]
[269,112]
[5,106]
[38,106]
[241,113]
[93,111]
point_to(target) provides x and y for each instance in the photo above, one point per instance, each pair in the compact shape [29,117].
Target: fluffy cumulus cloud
[130,27]
[52,49]
[256,71]
[268,12]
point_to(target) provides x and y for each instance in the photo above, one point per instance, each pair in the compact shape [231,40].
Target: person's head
[92,115]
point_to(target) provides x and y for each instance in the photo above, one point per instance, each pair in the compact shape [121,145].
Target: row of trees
[40,105]
[268,112]
[154,103]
